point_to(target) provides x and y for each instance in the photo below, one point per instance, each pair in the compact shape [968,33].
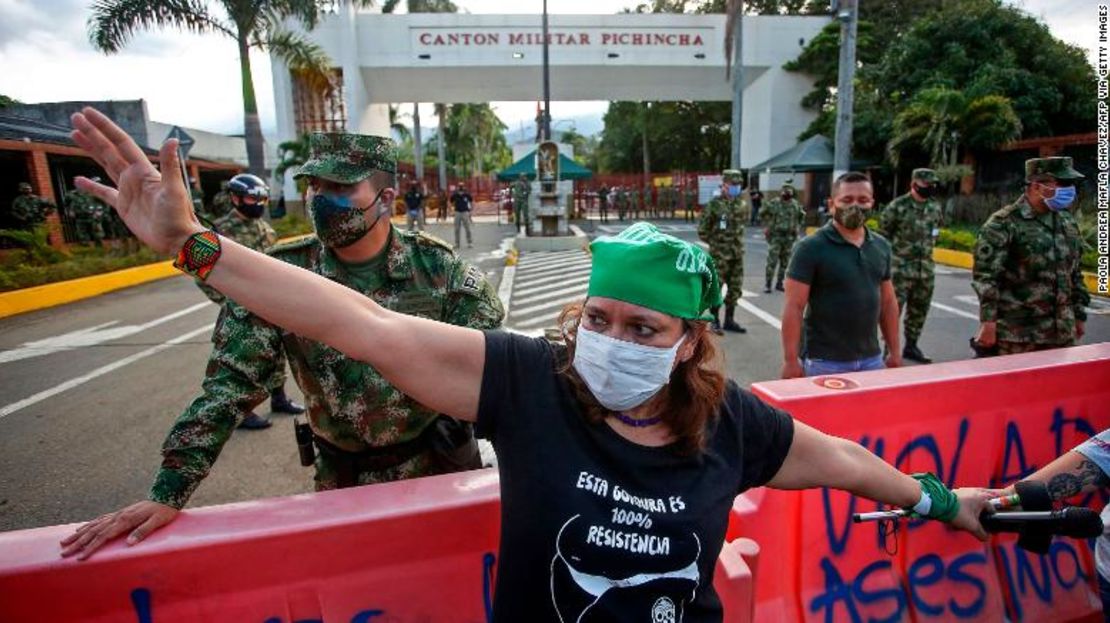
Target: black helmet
[247,185]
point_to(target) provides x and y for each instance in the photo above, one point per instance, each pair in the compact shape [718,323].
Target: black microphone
[1071,521]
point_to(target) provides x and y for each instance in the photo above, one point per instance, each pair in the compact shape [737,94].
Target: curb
[73,290]
[62,292]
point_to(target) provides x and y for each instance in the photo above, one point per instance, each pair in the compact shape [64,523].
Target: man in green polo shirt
[839,280]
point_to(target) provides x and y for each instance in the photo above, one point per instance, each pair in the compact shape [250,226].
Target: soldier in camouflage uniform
[249,197]
[366,430]
[911,223]
[88,215]
[603,194]
[782,219]
[28,209]
[621,198]
[722,228]
[691,202]
[521,190]
[1027,274]
[198,198]
[221,203]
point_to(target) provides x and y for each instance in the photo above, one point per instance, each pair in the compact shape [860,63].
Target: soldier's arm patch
[471,281]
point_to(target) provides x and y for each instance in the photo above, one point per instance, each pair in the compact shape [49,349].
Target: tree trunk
[252,128]
[644,143]
[417,148]
[441,147]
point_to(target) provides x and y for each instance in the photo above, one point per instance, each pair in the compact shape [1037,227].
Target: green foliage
[291,225]
[474,140]
[34,243]
[1010,70]
[251,23]
[681,136]
[293,154]
[939,120]
[957,239]
[17,273]
[6,101]
[984,47]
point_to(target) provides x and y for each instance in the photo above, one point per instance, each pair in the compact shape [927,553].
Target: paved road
[88,390]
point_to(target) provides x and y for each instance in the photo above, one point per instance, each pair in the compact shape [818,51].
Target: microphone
[1074,522]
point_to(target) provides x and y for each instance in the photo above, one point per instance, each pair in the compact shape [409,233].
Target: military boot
[715,325]
[913,353]
[280,403]
[767,287]
[778,286]
[730,321]
[253,421]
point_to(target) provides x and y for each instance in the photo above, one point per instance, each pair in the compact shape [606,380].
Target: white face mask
[622,375]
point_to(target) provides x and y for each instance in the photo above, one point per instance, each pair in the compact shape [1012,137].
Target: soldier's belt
[373,459]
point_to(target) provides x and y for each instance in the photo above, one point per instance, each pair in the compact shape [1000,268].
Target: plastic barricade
[418,550]
[986,422]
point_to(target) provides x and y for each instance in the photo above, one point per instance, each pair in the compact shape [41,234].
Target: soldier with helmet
[1027,265]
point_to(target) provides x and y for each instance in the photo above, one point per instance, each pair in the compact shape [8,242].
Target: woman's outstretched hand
[155,205]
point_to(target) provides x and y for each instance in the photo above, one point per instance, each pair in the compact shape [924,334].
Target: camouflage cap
[732,175]
[348,158]
[788,184]
[925,175]
[24,187]
[1058,167]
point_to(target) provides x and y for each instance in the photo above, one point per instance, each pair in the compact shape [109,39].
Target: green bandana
[643,266]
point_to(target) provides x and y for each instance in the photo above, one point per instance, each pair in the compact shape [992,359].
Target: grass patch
[291,226]
[26,269]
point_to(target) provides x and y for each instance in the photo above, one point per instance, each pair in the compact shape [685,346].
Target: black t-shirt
[461,201]
[599,527]
[842,317]
[413,200]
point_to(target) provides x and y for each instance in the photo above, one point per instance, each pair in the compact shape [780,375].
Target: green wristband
[944,505]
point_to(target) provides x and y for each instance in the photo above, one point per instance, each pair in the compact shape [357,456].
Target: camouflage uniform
[622,202]
[28,209]
[722,228]
[783,219]
[253,233]
[350,406]
[522,189]
[1027,272]
[221,203]
[691,204]
[198,200]
[603,203]
[912,226]
[88,216]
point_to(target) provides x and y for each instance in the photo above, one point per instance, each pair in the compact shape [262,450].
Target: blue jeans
[822,367]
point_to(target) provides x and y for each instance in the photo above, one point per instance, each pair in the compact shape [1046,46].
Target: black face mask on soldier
[925,191]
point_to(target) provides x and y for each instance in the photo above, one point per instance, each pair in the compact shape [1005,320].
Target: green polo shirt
[842,317]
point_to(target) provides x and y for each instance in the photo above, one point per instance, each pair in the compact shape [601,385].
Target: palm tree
[251,23]
[400,129]
[292,154]
[940,120]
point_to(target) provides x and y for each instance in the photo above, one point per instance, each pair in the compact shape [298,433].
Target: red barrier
[973,423]
[419,550]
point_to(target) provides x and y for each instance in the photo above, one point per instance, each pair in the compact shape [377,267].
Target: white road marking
[958,312]
[969,299]
[759,313]
[531,273]
[91,336]
[505,288]
[575,280]
[101,371]
[558,303]
[578,288]
[542,280]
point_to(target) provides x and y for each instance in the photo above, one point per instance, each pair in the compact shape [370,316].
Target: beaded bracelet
[199,254]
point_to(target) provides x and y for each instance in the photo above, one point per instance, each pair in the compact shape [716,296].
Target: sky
[193,81]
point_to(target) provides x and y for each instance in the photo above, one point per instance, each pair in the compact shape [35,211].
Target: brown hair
[687,405]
